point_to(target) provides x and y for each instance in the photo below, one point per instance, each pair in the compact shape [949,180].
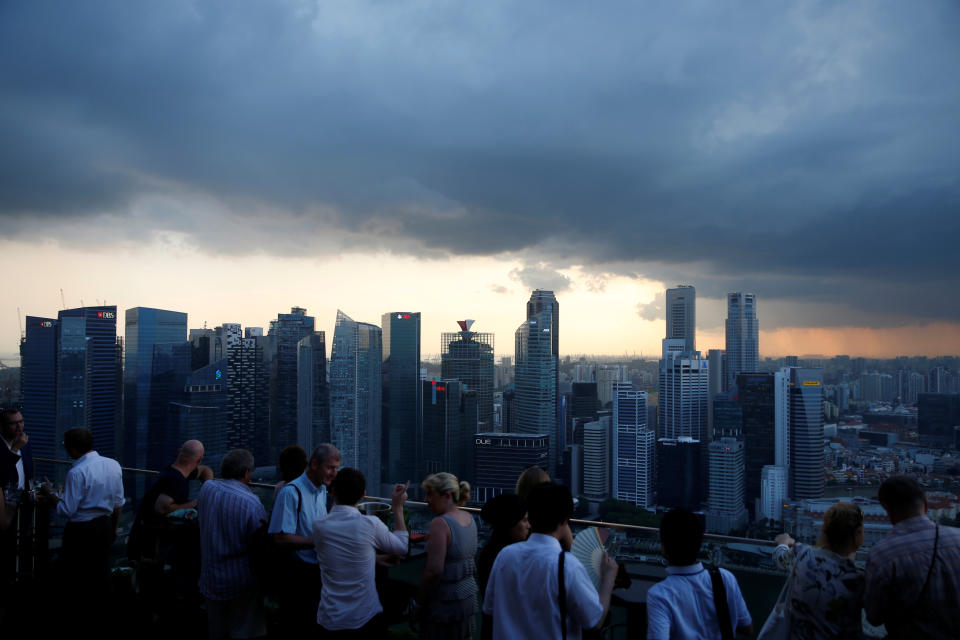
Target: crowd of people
[317,555]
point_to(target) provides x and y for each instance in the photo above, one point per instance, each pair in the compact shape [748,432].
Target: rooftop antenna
[20,322]
[63,300]
[81,303]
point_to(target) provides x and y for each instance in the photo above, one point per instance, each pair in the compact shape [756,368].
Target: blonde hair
[531,477]
[840,526]
[443,482]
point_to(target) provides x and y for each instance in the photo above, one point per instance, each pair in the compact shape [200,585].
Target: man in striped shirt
[913,575]
[229,515]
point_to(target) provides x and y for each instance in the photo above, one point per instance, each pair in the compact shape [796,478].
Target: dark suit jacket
[8,465]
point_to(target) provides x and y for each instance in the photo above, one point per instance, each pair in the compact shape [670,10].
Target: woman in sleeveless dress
[448,592]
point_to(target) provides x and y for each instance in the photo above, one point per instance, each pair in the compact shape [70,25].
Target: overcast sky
[232,159]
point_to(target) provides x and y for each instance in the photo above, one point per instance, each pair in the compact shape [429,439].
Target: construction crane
[63,300]
[20,322]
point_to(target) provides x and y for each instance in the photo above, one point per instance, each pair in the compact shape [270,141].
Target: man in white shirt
[347,543]
[91,503]
[681,607]
[523,593]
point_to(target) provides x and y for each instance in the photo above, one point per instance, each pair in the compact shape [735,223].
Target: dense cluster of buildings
[721,433]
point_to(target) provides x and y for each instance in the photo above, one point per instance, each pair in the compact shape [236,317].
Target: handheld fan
[588,548]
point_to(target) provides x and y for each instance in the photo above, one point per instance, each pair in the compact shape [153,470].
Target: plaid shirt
[229,515]
[897,567]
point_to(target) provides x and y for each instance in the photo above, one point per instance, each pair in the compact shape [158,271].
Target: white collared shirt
[681,606]
[523,592]
[21,476]
[94,488]
[347,543]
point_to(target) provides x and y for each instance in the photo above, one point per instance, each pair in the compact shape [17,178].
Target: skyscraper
[773,492]
[726,511]
[355,401]
[806,433]
[402,396]
[467,356]
[500,458]
[449,418]
[202,412]
[682,315]
[285,335]
[715,361]
[144,406]
[742,352]
[596,459]
[634,447]
[683,392]
[756,396]
[937,415]
[313,393]
[535,380]
[38,362]
[679,473]
[544,301]
[168,379]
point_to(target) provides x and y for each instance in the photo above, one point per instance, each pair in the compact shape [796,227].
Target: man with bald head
[170,493]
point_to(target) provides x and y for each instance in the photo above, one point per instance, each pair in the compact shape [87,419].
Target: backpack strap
[720,602]
[563,596]
[299,502]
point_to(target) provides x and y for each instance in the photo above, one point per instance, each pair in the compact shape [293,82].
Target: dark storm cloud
[805,151]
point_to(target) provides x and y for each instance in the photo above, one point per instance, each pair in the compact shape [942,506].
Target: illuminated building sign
[106,314]
[482,440]
[403,316]
[811,383]
[219,374]
[46,324]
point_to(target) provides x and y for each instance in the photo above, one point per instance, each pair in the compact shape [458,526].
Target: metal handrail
[586,523]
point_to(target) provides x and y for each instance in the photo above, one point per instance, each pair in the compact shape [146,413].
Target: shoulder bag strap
[933,560]
[563,597]
[720,602]
[299,502]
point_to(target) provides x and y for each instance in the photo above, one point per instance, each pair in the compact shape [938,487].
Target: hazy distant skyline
[232,160]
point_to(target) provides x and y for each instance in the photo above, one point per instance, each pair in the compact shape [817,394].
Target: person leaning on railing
[448,591]
[826,587]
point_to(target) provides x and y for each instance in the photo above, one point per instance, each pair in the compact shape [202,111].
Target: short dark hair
[5,414]
[901,495]
[348,486]
[681,534]
[548,506]
[236,464]
[78,439]
[291,462]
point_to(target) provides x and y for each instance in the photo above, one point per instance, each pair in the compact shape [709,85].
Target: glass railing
[636,547]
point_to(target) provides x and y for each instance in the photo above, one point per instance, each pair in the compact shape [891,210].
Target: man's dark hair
[236,464]
[291,462]
[78,439]
[548,506]
[6,414]
[681,535]
[348,486]
[902,496]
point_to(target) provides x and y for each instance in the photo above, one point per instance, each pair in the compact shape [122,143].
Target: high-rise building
[402,397]
[806,433]
[467,356]
[202,413]
[679,473]
[937,415]
[168,380]
[248,420]
[683,391]
[145,408]
[634,447]
[727,416]
[285,335]
[715,361]
[726,512]
[607,375]
[682,315]
[500,458]
[757,399]
[449,416]
[38,387]
[535,380]
[910,384]
[584,402]
[355,401]
[313,392]
[939,380]
[773,492]
[742,333]
[597,452]
[543,301]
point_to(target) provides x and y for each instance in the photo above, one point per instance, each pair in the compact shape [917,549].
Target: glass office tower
[742,335]
[401,397]
[285,335]
[355,403]
[806,433]
[468,357]
[535,379]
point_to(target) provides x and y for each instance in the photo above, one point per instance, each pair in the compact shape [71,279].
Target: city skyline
[360,156]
